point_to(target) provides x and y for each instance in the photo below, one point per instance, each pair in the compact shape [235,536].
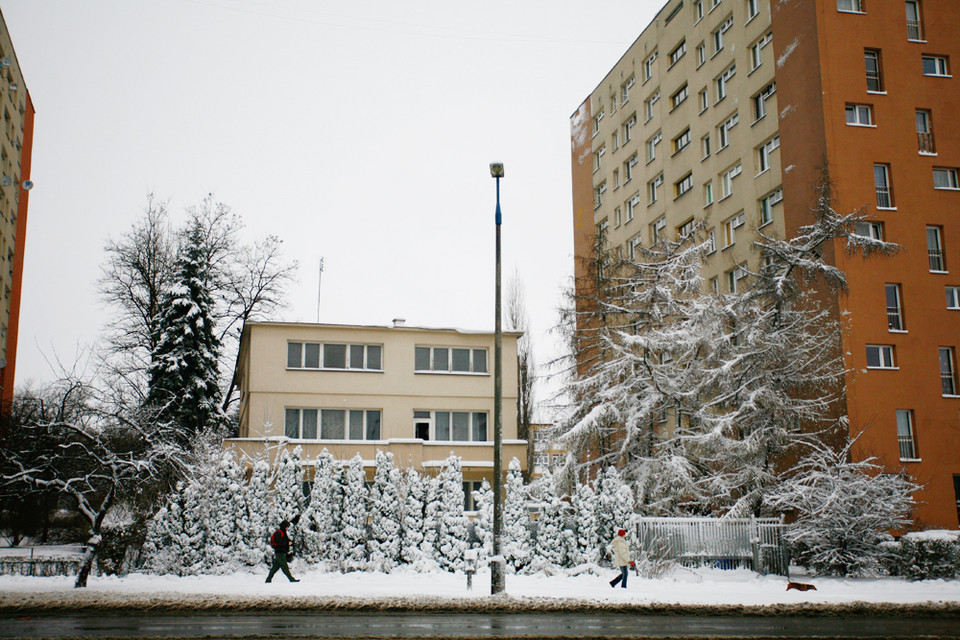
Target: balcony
[925,143]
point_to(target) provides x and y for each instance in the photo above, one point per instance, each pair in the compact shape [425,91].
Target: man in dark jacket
[281,547]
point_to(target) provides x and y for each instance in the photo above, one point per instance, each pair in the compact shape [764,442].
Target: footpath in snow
[683,589]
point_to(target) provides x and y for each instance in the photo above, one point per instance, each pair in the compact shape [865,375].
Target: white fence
[62,560]
[755,543]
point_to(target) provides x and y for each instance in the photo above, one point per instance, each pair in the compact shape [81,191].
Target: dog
[800,586]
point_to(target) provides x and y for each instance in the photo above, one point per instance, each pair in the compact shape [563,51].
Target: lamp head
[496,169]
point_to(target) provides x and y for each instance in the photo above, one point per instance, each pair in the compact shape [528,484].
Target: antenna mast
[319,279]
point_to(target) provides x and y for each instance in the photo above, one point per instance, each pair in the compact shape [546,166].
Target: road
[464,626]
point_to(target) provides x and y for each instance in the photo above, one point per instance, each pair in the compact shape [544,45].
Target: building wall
[268,387]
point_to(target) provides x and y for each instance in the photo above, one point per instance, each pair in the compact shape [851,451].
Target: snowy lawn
[682,587]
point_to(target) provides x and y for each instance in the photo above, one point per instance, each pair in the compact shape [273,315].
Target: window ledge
[762,172]
[897,331]
[937,75]
[932,154]
[728,246]
[911,460]
[335,369]
[938,271]
[886,208]
[946,395]
[877,93]
[722,198]
[865,126]
[869,368]
[709,204]
[751,19]
[765,224]
[920,41]
[859,13]
[452,373]
[946,188]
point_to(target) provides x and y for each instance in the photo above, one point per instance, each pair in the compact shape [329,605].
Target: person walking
[281,547]
[621,557]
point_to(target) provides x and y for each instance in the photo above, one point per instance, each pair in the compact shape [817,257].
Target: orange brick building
[781,87]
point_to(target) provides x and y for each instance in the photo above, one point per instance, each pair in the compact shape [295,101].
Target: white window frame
[726,180]
[349,356]
[914,22]
[683,185]
[677,53]
[705,147]
[652,143]
[656,229]
[883,186]
[708,193]
[449,414]
[948,371]
[653,188]
[953,297]
[629,165]
[679,96]
[906,436]
[701,54]
[721,81]
[628,124]
[717,34]
[895,322]
[650,103]
[760,101]
[941,66]
[862,115]
[633,244]
[712,241]
[366,416]
[434,363]
[598,192]
[632,204]
[935,252]
[625,90]
[617,217]
[756,51]
[724,130]
[682,141]
[869,229]
[704,99]
[876,76]
[648,64]
[753,9]
[883,354]
[849,6]
[763,153]
[945,178]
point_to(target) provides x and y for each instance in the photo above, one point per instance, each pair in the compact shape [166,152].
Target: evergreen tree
[385,515]
[256,529]
[483,525]
[184,372]
[354,517]
[550,544]
[588,543]
[432,512]
[193,539]
[225,542]
[516,546]
[411,533]
[165,534]
[288,487]
[452,523]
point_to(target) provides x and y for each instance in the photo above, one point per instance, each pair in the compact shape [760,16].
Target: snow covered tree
[412,531]
[196,513]
[225,543]
[288,488]
[550,547]
[483,525]
[256,528]
[184,381]
[517,547]
[518,320]
[451,523]
[844,509]
[162,548]
[354,516]
[614,504]
[584,503]
[385,515]
[432,512]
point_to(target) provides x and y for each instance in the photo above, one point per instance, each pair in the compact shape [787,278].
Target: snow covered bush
[354,516]
[927,555]
[451,539]
[385,515]
[516,546]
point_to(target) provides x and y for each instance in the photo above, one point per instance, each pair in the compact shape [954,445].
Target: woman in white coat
[621,557]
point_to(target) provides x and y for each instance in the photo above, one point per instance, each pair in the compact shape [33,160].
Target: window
[766,206]
[722,80]
[681,141]
[632,204]
[705,146]
[678,52]
[450,360]
[648,65]
[457,426]
[617,217]
[703,100]
[598,157]
[627,126]
[652,145]
[872,230]
[633,244]
[712,241]
[756,50]
[708,193]
[763,153]
[935,249]
[852,6]
[718,34]
[598,192]
[874,71]
[936,66]
[596,122]
[948,373]
[628,167]
[914,24]
[860,115]
[760,100]
[715,284]
[616,179]
[753,8]
[625,90]
[613,103]
[650,103]
[653,187]
[726,180]
[925,133]
[677,98]
[656,230]
[881,180]
[683,185]
[307,355]
[894,308]
[469,504]
[723,131]
[701,54]
[685,229]
[730,229]
[945,178]
[334,424]
[953,298]
[880,356]
[615,140]
[908,449]
[734,276]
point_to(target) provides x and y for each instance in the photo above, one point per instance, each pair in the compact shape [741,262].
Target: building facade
[16,145]
[418,393]
[726,111]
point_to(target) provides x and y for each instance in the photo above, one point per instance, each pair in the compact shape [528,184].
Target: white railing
[755,543]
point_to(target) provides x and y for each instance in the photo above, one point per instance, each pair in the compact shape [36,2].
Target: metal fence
[63,561]
[755,543]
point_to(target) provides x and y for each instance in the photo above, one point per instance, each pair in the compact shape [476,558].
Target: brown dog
[800,586]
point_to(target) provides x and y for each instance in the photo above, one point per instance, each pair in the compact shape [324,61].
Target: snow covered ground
[739,587]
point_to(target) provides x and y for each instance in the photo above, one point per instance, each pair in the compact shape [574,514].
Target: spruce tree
[256,528]
[411,533]
[587,526]
[354,516]
[288,487]
[517,549]
[385,515]
[452,523]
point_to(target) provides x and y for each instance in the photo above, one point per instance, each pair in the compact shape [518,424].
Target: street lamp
[497,584]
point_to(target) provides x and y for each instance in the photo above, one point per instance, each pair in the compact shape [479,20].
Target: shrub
[928,555]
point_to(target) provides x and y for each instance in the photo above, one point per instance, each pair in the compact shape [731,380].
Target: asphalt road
[463,626]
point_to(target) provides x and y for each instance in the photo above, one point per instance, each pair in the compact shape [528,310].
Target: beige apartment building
[418,393]
[16,143]
[725,111]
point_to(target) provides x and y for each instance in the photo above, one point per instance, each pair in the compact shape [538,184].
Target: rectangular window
[450,360]
[908,448]
[703,100]
[715,284]
[705,146]
[625,90]
[677,98]
[632,205]
[698,10]
[766,205]
[914,23]
[656,230]
[701,54]
[652,145]
[678,52]
[723,131]
[681,141]
[628,168]
[944,178]
[760,101]
[457,426]
[935,249]
[756,50]
[753,8]
[598,192]
[598,157]
[852,6]
[633,246]
[936,66]
[617,217]
[880,356]
[730,229]
[894,308]
[874,70]
[925,143]
[332,424]
[731,280]
[723,79]
[860,115]
[653,188]
[708,193]
[948,372]
[953,298]
[650,104]
[712,241]
[763,154]
[683,185]
[306,355]
[726,180]
[881,180]
[648,65]
[718,34]
[869,230]
[685,229]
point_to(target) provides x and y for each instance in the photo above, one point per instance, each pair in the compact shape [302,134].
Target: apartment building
[418,393]
[726,111]
[16,144]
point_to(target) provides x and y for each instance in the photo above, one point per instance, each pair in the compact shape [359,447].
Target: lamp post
[497,584]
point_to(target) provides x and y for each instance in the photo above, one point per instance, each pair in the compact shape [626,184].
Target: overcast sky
[359,131]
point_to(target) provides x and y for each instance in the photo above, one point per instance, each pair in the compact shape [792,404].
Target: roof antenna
[319,279]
